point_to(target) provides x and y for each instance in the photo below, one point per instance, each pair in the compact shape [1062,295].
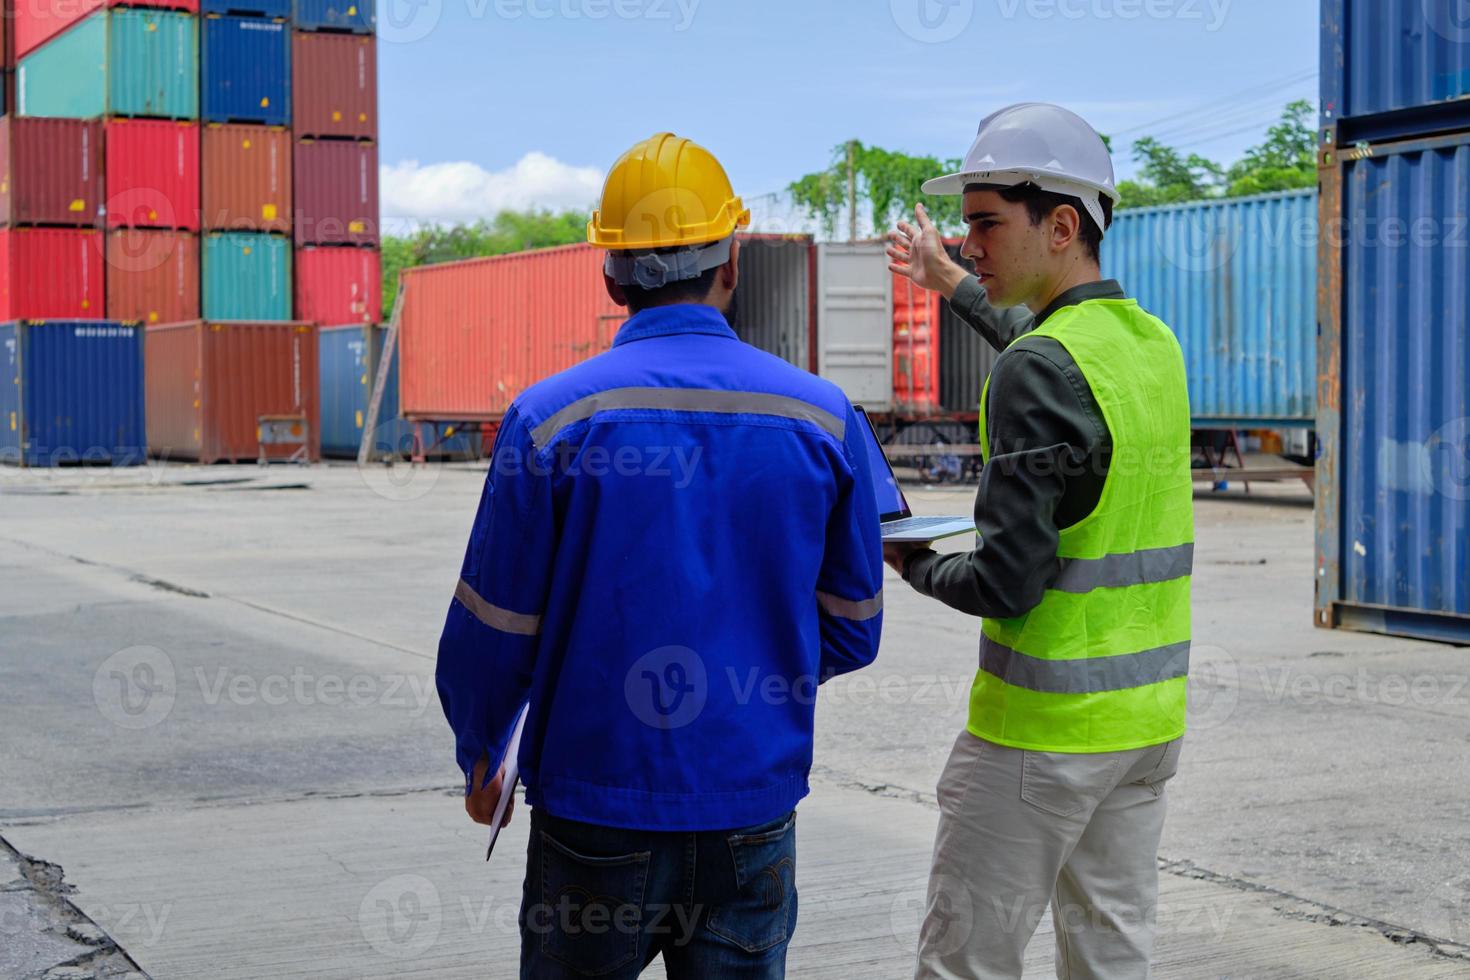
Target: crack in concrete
[31,818]
[1323,913]
[167,586]
[47,881]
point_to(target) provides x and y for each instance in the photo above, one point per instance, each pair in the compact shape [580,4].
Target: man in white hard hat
[1054,793]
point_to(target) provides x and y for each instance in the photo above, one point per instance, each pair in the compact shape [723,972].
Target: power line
[1219,136]
[1255,91]
[1220,120]
[1259,115]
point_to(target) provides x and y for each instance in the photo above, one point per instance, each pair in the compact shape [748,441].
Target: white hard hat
[1041,144]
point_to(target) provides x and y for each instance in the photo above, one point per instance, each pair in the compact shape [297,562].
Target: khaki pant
[1019,830]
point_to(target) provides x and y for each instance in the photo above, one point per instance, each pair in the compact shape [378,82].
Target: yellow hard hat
[665,192]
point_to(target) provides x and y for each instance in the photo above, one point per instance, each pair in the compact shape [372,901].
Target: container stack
[335,163]
[1393,350]
[245,97]
[149,175]
[87,73]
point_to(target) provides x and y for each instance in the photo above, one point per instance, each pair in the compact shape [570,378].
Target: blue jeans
[603,902]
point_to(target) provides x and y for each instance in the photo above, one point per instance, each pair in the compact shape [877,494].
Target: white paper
[508,784]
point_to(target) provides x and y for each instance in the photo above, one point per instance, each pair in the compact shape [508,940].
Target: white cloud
[415,193]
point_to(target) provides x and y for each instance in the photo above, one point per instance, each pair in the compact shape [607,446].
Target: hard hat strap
[654,270]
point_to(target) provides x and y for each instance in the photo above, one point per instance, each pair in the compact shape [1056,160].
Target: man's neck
[1079,273]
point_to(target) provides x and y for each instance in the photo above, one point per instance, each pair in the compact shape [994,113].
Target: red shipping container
[334,85]
[50,171]
[232,391]
[247,178]
[38,21]
[915,347]
[339,285]
[336,193]
[152,174]
[152,275]
[473,335]
[51,274]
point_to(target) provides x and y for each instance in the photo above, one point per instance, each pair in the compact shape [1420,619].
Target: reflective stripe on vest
[1101,663]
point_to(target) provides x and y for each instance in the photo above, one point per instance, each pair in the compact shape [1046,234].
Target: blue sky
[494,103]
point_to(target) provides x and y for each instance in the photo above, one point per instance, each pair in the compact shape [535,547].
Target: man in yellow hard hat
[1054,792]
[677,542]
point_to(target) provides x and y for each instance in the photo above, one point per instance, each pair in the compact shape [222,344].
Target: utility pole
[851,190]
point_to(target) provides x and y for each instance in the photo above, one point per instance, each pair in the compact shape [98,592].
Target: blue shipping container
[1406,62]
[1235,280]
[349,364]
[71,392]
[249,8]
[1393,473]
[336,15]
[246,70]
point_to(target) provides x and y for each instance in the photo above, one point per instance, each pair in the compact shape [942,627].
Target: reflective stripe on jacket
[1100,665]
[677,541]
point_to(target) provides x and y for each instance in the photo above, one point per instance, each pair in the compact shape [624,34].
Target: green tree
[508,231]
[1167,176]
[1285,161]
[887,182]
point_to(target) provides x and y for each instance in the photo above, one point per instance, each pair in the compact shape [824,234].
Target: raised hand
[917,253]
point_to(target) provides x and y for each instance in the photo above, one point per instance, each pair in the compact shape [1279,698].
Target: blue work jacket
[677,542]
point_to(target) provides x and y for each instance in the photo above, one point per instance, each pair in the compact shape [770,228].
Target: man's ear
[614,291]
[1066,226]
[730,271]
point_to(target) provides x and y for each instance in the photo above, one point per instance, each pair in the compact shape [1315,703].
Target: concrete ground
[221,754]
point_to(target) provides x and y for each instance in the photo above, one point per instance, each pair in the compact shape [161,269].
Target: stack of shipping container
[171,170]
[338,269]
[1393,359]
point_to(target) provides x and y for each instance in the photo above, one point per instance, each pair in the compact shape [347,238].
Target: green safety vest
[1100,664]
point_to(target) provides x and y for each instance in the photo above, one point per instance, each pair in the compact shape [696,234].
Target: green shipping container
[118,62]
[247,276]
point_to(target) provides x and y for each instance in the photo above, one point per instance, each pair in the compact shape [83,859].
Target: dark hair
[684,291]
[1040,203]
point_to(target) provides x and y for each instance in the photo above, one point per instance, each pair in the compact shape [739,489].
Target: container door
[855,322]
[915,337]
[1394,398]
